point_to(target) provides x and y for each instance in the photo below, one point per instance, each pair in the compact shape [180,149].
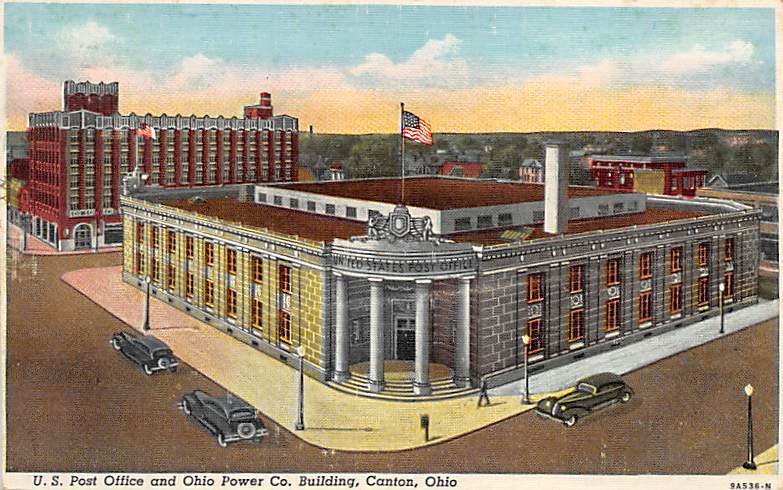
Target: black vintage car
[228,418]
[145,350]
[590,394]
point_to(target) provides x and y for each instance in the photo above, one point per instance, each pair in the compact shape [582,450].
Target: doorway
[405,332]
[82,236]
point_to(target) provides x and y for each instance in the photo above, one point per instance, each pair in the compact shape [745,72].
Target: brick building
[79,156]
[445,286]
[665,175]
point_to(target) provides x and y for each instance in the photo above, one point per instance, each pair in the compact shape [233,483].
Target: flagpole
[402,153]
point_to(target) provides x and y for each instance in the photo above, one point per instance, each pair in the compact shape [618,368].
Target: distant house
[729,181]
[336,171]
[470,170]
[531,171]
[658,174]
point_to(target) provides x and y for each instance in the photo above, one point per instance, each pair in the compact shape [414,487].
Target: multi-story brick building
[78,157]
[660,174]
[445,286]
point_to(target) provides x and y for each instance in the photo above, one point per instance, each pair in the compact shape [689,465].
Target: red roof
[438,192]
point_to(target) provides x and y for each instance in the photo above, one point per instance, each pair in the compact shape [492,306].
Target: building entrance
[82,237]
[405,330]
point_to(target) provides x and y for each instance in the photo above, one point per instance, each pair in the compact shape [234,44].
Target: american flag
[415,128]
[146,131]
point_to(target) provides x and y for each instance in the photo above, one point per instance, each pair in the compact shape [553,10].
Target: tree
[466,143]
[373,156]
[641,143]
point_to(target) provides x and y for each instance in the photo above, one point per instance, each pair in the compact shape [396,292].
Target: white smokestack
[556,189]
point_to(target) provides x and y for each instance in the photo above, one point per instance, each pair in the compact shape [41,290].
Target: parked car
[227,418]
[145,350]
[590,394]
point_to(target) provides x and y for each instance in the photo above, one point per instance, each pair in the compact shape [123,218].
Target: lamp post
[526,342]
[300,400]
[722,288]
[146,325]
[749,464]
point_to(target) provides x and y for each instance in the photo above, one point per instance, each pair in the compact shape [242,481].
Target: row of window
[576,322]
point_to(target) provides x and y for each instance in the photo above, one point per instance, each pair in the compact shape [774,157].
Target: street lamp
[146,325]
[526,342]
[749,464]
[300,416]
[722,288]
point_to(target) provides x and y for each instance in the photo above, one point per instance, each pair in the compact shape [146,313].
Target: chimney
[556,189]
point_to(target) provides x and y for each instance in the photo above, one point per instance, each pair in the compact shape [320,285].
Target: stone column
[341,370]
[421,384]
[462,340]
[376,335]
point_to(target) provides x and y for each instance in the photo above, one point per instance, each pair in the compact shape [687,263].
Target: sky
[346,68]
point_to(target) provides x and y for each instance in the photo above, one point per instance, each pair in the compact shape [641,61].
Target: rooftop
[640,158]
[326,228]
[439,193]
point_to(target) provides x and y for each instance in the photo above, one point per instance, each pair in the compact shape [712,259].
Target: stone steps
[397,390]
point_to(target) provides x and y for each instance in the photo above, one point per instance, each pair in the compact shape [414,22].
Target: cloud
[698,59]
[437,62]
[86,44]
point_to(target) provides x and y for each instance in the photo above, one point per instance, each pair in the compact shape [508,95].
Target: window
[311,206]
[284,278]
[293,203]
[534,332]
[350,212]
[329,209]
[728,250]
[209,253]
[258,270]
[675,259]
[675,298]
[619,207]
[612,272]
[154,237]
[209,292]
[284,325]
[575,279]
[171,241]
[612,316]
[139,232]
[704,291]
[154,269]
[462,224]
[703,254]
[574,213]
[728,284]
[255,313]
[231,261]
[171,277]
[645,307]
[603,209]
[278,200]
[505,219]
[189,247]
[645,265]
[534,290]
[139,265]
[189,285]
[484,222]
[576,325]
[231,303]
[261,197]
[538,216]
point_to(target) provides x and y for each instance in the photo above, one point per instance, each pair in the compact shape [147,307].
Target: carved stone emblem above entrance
[577,300]
[645,284]
[400,225]
[613,292]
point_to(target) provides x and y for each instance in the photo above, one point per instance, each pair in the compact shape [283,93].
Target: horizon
[466,69]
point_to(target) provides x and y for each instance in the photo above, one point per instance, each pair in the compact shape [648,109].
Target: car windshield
[585,388]
[242,413]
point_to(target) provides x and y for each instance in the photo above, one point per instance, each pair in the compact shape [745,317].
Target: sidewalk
[639,354]
[332,419]
[766,464]
[36,246]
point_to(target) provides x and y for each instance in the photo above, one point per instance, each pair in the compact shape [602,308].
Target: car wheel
[626,397]
[147,369]
[221,441]
[164,362]
[571,421]
[115,343]
[186,407]
[246,430]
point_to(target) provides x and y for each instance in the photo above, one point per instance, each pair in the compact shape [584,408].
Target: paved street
[74,404]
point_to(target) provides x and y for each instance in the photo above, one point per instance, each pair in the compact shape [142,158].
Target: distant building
[336,171]
[531,171]
[660,174]
[79,156]
[15,145]
[470,170]
[730,181]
